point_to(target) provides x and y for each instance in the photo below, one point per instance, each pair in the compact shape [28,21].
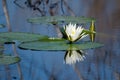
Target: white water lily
[74,32]
[73,56]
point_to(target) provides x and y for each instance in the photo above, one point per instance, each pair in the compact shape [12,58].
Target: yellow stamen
[73,32]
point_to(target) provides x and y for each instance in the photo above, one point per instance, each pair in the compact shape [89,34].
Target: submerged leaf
[60,19]
[2,26]
[57,45]
[8,59]
[10,36]
[88,31]
[1,48]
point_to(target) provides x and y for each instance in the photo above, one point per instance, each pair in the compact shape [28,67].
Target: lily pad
[10,36]
[8,60]
[58,45]
[60,19]
[4,40]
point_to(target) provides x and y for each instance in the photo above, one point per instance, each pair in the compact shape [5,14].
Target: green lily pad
[10,36]
[58,45]
[5,39]
[60,19]
[8,60]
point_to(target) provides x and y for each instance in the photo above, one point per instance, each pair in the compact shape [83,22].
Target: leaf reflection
[72,56]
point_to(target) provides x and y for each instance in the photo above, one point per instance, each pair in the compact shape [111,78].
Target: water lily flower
[74,32]
[73,56]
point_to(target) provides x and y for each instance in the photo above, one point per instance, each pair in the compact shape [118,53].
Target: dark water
[99,64]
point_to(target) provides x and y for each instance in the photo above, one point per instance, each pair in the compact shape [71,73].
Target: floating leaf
[8,60]
[5,36]
[57,45]
[5,39]
[59,19]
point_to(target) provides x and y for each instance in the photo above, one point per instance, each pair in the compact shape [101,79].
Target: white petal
[73,31]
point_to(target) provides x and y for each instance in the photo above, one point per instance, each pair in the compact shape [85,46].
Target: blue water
[99,64]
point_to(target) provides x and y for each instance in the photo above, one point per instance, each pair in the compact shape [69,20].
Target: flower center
[73,32]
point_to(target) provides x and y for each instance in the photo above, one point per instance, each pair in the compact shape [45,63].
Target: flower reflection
[73,56]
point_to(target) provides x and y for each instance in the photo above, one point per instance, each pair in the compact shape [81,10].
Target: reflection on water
[99,64]
[73,56]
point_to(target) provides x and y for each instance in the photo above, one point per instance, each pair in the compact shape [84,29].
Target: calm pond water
[98,64]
